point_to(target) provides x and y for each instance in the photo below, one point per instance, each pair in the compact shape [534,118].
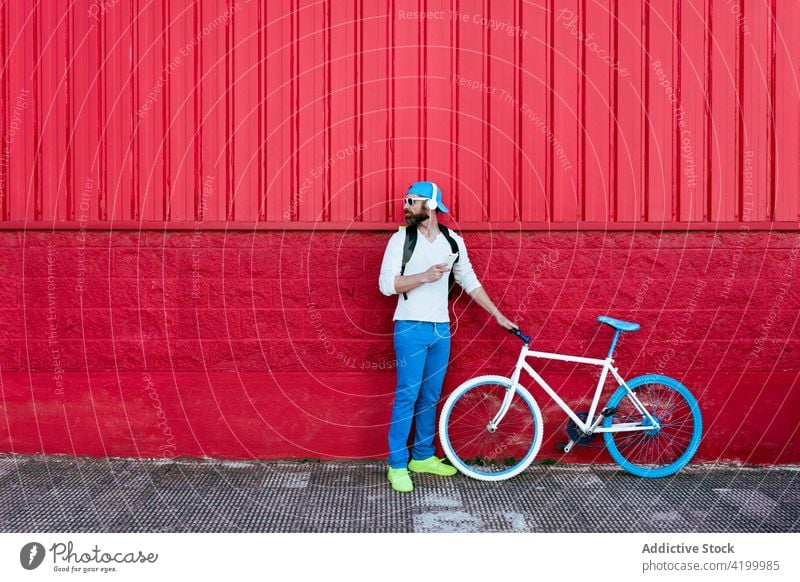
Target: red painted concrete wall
[272,345]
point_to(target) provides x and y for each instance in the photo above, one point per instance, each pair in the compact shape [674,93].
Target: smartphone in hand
[451,259]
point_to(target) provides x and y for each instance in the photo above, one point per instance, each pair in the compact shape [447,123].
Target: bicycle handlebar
[525,338]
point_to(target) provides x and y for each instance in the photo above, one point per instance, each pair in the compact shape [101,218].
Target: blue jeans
[423,347]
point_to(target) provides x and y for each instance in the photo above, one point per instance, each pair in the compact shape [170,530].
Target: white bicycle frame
[592,424]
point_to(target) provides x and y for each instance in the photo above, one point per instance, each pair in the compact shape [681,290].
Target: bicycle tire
[662,452]
[486,456]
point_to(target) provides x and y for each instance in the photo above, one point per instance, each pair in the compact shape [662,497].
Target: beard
[413,219]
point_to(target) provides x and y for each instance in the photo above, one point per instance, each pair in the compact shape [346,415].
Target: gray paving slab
[67,494]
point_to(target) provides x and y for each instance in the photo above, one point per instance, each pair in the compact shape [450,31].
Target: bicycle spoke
[662,449]
[470,439]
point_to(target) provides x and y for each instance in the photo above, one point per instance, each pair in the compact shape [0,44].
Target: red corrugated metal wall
[295,113]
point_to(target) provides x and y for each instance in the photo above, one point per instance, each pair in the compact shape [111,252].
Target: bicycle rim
[492,455]
[661,451]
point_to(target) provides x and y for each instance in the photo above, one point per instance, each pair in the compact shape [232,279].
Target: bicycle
[491,426]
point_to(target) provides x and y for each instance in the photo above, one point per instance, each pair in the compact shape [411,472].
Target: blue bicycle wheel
[663,450]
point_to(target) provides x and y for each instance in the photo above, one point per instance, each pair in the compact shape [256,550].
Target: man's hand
[435,273]
[505,322]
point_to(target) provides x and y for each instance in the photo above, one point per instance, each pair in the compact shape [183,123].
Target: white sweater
[428,302]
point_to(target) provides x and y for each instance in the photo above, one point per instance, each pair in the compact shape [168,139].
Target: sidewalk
[65,494]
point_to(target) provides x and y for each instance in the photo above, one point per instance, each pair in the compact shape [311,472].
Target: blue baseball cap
[428,190]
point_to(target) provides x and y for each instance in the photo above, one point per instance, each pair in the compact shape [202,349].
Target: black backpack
[411,242]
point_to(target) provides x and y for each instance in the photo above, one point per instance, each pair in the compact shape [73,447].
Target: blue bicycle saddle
[618,323]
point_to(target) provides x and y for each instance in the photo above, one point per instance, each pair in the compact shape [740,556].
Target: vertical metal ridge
[457,101]
[197,61]
[771,137]
[294,133]
[581,121]
[424,89]
[487,115]
[708,206]
[359,126]
[5,167]
[37,114]
[135,204]
[201,80]
[167,127]
[420,116]
[613,210]
[646,121]
[387,196]
[642,198]
[740,115]
[296,77]
[453,117]
[676,197]
[230,184]
[327,194]
[70,158]
[518,117]
[550,164]
[262,113]
[390,206]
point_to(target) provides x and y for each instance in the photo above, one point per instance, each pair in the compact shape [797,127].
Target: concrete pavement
[67,494]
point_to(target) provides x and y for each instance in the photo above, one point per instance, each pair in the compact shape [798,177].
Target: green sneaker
[432,465]
[400,480]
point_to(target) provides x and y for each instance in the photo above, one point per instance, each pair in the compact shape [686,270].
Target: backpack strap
[454,249]
[408,249]
[411,242]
